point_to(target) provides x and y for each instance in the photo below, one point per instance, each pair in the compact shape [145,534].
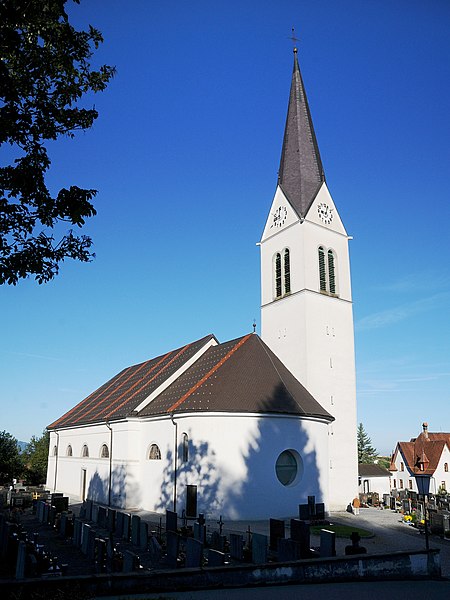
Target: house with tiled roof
[428,454]
[251,426]
[373,478]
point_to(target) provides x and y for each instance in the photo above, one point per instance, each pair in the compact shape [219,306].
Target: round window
[289,467]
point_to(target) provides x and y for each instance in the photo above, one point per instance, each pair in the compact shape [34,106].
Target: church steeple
[301,173]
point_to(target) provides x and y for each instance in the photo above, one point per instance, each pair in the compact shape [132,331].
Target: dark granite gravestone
[276,527]
[300,533]
[303,512]
[130,562]
[172,547]
[119,524]
[217,541]
[236,546]
[126,526]
[45,517]
[94,517]
[154,550]
[259,548]
[100,555]
[200,532]
[84,538]
[171,521]
[88,507]
[191,501]
[21,560]
[143,535]
[63,524]
[101,517]
[355,548]
[312,506]
[215,558]
[111,519]
[77,528]
[320,511]
[61,503]
[327,543]
[40,511]
[288,550]
[92,534]
[194,553]
[135,529]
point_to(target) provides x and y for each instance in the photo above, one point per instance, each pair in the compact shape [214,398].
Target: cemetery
[103,548]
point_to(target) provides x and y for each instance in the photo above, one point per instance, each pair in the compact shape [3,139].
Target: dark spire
[301,172]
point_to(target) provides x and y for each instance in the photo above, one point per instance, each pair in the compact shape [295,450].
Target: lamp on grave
[423,487]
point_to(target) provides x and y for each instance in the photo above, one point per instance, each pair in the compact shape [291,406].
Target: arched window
[69,450]
[331,275]
[154,453]
[287,272]
[85,451]
[55,450]
[282,273]
[322,271]
[446,467]
[104,452]
[185,447]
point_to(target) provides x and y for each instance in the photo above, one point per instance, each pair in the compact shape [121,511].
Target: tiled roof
[301,172]
[242,375]
[372,471]
[426,449]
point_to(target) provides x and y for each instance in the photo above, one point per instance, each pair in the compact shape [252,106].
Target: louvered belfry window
[331,276]
[322,271]
[287,272]
[278,286]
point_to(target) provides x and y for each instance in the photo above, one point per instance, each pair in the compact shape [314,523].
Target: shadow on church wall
[123,486]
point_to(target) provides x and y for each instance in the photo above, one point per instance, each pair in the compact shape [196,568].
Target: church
[252,426]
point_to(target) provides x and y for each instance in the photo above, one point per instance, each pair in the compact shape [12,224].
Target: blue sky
[185,156]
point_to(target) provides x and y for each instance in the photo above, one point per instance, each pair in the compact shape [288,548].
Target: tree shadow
[123,487]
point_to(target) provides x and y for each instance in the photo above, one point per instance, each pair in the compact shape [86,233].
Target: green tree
[36,457]
[44,72]
[10,460]
[367,454]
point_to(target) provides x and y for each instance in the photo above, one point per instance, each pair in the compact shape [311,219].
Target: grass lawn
[342,531]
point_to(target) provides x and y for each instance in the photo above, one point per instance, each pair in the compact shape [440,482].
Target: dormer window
[282,273]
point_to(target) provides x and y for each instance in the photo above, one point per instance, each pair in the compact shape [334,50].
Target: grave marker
[259,548]
[215,558]
[194,553]
[236,546]
[327,543]
[135,530]
[276,527]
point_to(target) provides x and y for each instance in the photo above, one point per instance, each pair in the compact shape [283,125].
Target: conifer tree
[367,454]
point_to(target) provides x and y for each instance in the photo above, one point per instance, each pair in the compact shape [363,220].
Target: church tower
[306,301]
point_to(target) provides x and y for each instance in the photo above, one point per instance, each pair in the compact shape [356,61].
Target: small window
[69,450]
[322,271]
[400,483]
[278,287]
[155,453]
[55,451]
[446,467]
[410,485]
[185,447]
[402,466]
[85,451]
[104,452]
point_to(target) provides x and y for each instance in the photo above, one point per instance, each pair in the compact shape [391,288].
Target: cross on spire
[294,40]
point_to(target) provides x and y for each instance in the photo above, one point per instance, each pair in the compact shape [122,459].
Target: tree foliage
[36,458]
[367,454]
[10,460]
[44,72]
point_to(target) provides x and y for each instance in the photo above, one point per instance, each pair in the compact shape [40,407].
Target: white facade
[310,330]
[402,478]
[231,458]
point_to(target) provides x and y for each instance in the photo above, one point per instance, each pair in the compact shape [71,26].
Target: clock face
[279,216]
[325,213]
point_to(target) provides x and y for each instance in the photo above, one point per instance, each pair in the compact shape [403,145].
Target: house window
[69,450]
[446,467]
[104,452]
[154,453]
[327,271]
[185,447]
[394,484]
[402,466]
[55,451]
[400,483]
[410,485]
[282,273]
[85,451]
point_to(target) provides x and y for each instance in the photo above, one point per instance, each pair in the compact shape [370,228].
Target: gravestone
[215,558]
[101,517]
[21,560]
[200,532]
[276,528]
[40,511]
[312,506]
[320,511]
[143,535]
[194,553]
[391,503]
[327,543]
[172,546]
[300,533]
[135,529]
[355,548]
[126,526]
[288,550]
[60,502]
[63,524]
[171,521]
[303,512]
[154,550]
[191,501]
[130,562]
[111,520]
[88,507]
[92,535]
[217,541]
[259,548]
[94,513]
[45,516]
[77,528]
[119,524]
[236,546]
[100,555]
[84,538]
